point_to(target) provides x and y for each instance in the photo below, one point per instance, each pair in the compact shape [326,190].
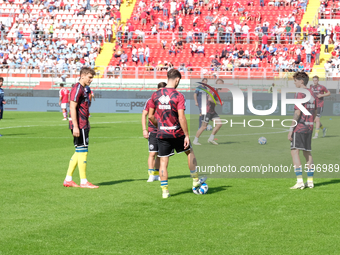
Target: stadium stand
[236,39]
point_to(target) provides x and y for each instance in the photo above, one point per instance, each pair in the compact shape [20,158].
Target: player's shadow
[335,181]
[18,134]
[117,182]
[210,191]
[329,136]
[179,177]
[227,142]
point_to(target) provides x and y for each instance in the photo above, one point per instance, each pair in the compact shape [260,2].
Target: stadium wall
[133,102]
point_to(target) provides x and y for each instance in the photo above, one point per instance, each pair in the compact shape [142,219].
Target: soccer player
[198,99]
[2,98]
[150,134]
[64,99]
[80,128]
[172,129]
[211,115]
[301,134]
[320,92]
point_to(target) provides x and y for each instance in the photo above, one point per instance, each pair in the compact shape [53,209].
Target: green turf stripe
[122,110]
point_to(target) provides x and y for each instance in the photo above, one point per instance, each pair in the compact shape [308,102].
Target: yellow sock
[321,127]
[164,185]
[156,172]
[73,164]
[317,131]
[82,162]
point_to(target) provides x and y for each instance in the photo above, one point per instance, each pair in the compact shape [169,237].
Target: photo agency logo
[239,104]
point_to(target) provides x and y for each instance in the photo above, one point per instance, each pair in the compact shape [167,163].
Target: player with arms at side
[211,115]
[321,92]
[64,99]
[197,97]
[80,128]
[2,98]
[301,134]
[172,129]
[150,134]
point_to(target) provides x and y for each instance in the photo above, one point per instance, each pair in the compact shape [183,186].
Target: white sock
[68,178]
[299,180]
[211,138]
[83,181]
[196,139]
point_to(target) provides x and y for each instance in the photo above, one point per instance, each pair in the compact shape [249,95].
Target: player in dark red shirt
[321,92]
[80,128]
[168,105]
[150,134]
[211,114]
[300,134]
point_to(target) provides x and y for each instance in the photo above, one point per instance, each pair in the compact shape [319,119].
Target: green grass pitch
[127,215]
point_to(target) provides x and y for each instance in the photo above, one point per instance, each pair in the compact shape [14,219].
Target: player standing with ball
[172,129]
[80,128]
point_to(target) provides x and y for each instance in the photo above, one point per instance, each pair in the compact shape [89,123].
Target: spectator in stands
[189,36]
[110,71]
[123,58]
[141,54]
[200,49]
[134,54]
[182,68]
[326,43]
[322,33]
[147,53]
[193,48]
[264,41]
[173,49]
[308,51]
[159,66]
[212,30]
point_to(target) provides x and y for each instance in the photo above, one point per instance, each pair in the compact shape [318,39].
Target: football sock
[72,166]
[321,126]
[83,181]
[310,175]
[211,137]
[298,173]
[164,185]
[317,131]
[156,172]
[82,161]
[195,139]
[150,171]
[65,115]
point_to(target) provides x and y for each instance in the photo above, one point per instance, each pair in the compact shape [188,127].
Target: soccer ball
[262,140]
[203,189]
[209,127]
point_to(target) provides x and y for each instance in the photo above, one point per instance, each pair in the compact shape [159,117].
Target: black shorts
[1,113]
[209,116]
[301,141]
[167,146]
[319,110]
[83,139]
[152,142]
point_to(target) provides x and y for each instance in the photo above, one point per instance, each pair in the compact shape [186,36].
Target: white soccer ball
[209,127]
[262,140]
[203,189]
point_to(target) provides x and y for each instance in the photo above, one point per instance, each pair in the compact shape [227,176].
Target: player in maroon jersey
[150,134]
[80,128]
[64,99]
[300,134]
[211,114]
[172,129]
[320,92]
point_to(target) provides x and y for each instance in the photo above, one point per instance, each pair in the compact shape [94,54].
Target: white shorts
[63,106]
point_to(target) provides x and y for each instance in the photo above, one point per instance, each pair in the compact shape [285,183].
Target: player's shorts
[167,146]
[83,139]
[302,141]
[319,110]
[153,143]
[209,116]
[63,105]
